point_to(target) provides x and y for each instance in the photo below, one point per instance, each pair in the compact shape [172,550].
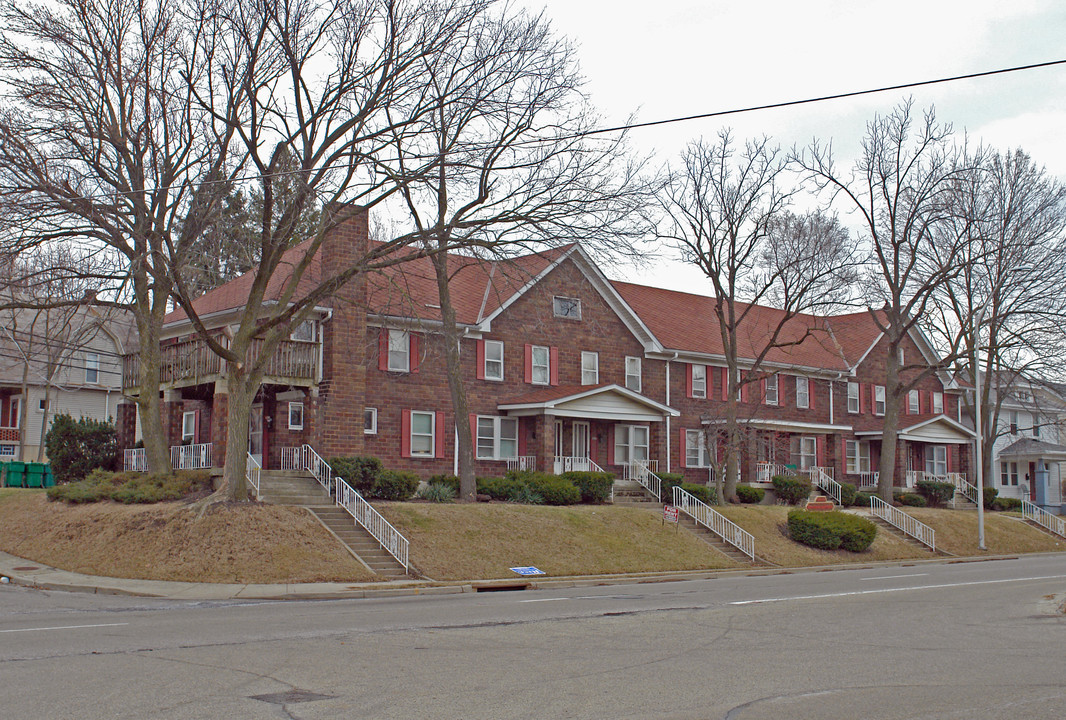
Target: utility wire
[650,123]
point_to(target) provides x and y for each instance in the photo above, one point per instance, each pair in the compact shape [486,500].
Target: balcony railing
[10,434]
[522,462]
[193,361]
[134,460]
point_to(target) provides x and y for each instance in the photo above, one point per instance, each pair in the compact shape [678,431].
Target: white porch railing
[190,457]
[869,479]
[380,528]
[252,472]
[714,521]
[642,472]
[522,462]
[573,463]
[633,468]
[1053,523]
[962,487]
[134,460]
[899,519]
[305,458]
[822,477]
[765,471]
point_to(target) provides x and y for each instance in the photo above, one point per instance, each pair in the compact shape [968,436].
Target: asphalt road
[930,640]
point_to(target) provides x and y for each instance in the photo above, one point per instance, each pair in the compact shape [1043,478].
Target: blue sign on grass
[530,570]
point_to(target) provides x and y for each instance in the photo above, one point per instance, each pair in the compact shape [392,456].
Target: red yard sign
[670,513]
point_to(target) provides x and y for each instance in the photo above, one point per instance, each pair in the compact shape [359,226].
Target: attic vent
[433,306]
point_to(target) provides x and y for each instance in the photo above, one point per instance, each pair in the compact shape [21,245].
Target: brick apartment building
[562,366]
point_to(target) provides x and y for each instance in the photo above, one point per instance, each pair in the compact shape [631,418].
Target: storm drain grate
[292,696]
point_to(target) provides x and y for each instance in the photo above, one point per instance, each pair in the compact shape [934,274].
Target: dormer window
[566,307]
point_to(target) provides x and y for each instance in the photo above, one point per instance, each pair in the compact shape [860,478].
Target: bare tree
[727,210]
[502,164]
[104,146]
[900,189]
[1005,308]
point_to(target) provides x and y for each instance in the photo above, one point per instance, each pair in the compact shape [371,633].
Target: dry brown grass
[1005,533]
[459,542]
[236,544]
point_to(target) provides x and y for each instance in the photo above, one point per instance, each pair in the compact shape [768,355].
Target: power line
[639,125]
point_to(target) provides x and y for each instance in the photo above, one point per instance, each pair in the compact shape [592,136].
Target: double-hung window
[497,438]
[633,373]
[699,381]
[938,403]
[590,368]
[296,416]
[188,427]
[696,451]
[399,351]
[803,392]
[914,402]
[493,360]
[370,421]
[858,454]
[1013,419]
[853,397]
[1008,473]
[879,400]
[771,389]
[541,365]
[92,368]
[936,460]
[630,443]
[423,427]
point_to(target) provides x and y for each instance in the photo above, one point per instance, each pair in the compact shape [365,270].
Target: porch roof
[595,402]
[1028,447]
[784,425]
[941,430]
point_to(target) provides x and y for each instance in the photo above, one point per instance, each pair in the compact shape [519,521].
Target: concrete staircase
[299,488]
[718,543]
[894,531]
[630,492]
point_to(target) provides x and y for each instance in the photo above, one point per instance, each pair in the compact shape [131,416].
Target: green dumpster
[16,474]
[49,481]
[3,472]
[34,475]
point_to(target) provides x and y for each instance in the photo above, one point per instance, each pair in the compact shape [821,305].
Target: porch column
[544,446]
[125,429]
[173,407]
[903,450]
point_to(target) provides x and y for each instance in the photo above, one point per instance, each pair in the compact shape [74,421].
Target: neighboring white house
[71,363]
[1029,450]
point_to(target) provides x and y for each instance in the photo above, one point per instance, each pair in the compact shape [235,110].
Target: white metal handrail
[869,479]
[190,457]
[899,519]
[381,529]
[635,468]
[134,460]
[823,478]
[641,472]
[1043,518]
[714,521]
[575,463]
[252,471]
[962,487]
[522,462]
[305,458]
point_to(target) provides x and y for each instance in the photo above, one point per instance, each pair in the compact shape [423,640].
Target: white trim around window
[858,456]
[493,360]
[296,416]
[913,402]
[853,397]
[423,433]
[633,373]
[938,403]
[803,392]
[590,368]
[497,438]
[697,453]
[699,381]
[630,443]
[188,426]
[879,399]
[399,351]
[540,365]
[771,389]
[370,421]
[92,368]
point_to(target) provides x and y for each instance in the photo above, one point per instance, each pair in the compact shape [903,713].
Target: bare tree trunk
[44,418]
[22,410]
[242,389]
[732,423]
[890,427]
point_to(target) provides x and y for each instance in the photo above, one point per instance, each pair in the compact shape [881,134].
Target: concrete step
[359,542]
[718,543]
[896,532]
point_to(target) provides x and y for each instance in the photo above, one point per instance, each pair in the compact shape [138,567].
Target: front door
[255,433]
[581,446]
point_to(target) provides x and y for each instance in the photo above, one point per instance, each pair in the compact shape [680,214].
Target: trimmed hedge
[863,499]
[990,494]
[848,493]
[669,482]
[595,487]
[361,472]
[792,489]
[703,493]
[394,485]
[132,487]
[1006,503]
[935,493]
[555,489]
[500,488]
[750,495]
[831,530]
[910,499]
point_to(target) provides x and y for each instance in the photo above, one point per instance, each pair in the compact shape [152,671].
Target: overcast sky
[672,58]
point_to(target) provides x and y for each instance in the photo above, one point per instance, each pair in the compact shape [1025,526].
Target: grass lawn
[236,544]
[461,542]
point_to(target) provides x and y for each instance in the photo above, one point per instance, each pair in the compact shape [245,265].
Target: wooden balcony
[191,362]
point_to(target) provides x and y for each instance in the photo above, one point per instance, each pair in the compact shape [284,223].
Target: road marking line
[63,627]
[899,589]
[893,577]
[543,600]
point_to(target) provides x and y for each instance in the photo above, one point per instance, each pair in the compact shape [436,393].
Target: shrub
[792,490]
[935,493]
[750,495]
[831,530]
[555,490]
[595,487]
[451,481]
[361,472]
[1007,503]
[669,481]
[990,497]
[525,495]
[499,488]
[131,487]
[77,447]
[863,499]
[910,499]
[394,485]
[703,493]
[436,491]
[848,493]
